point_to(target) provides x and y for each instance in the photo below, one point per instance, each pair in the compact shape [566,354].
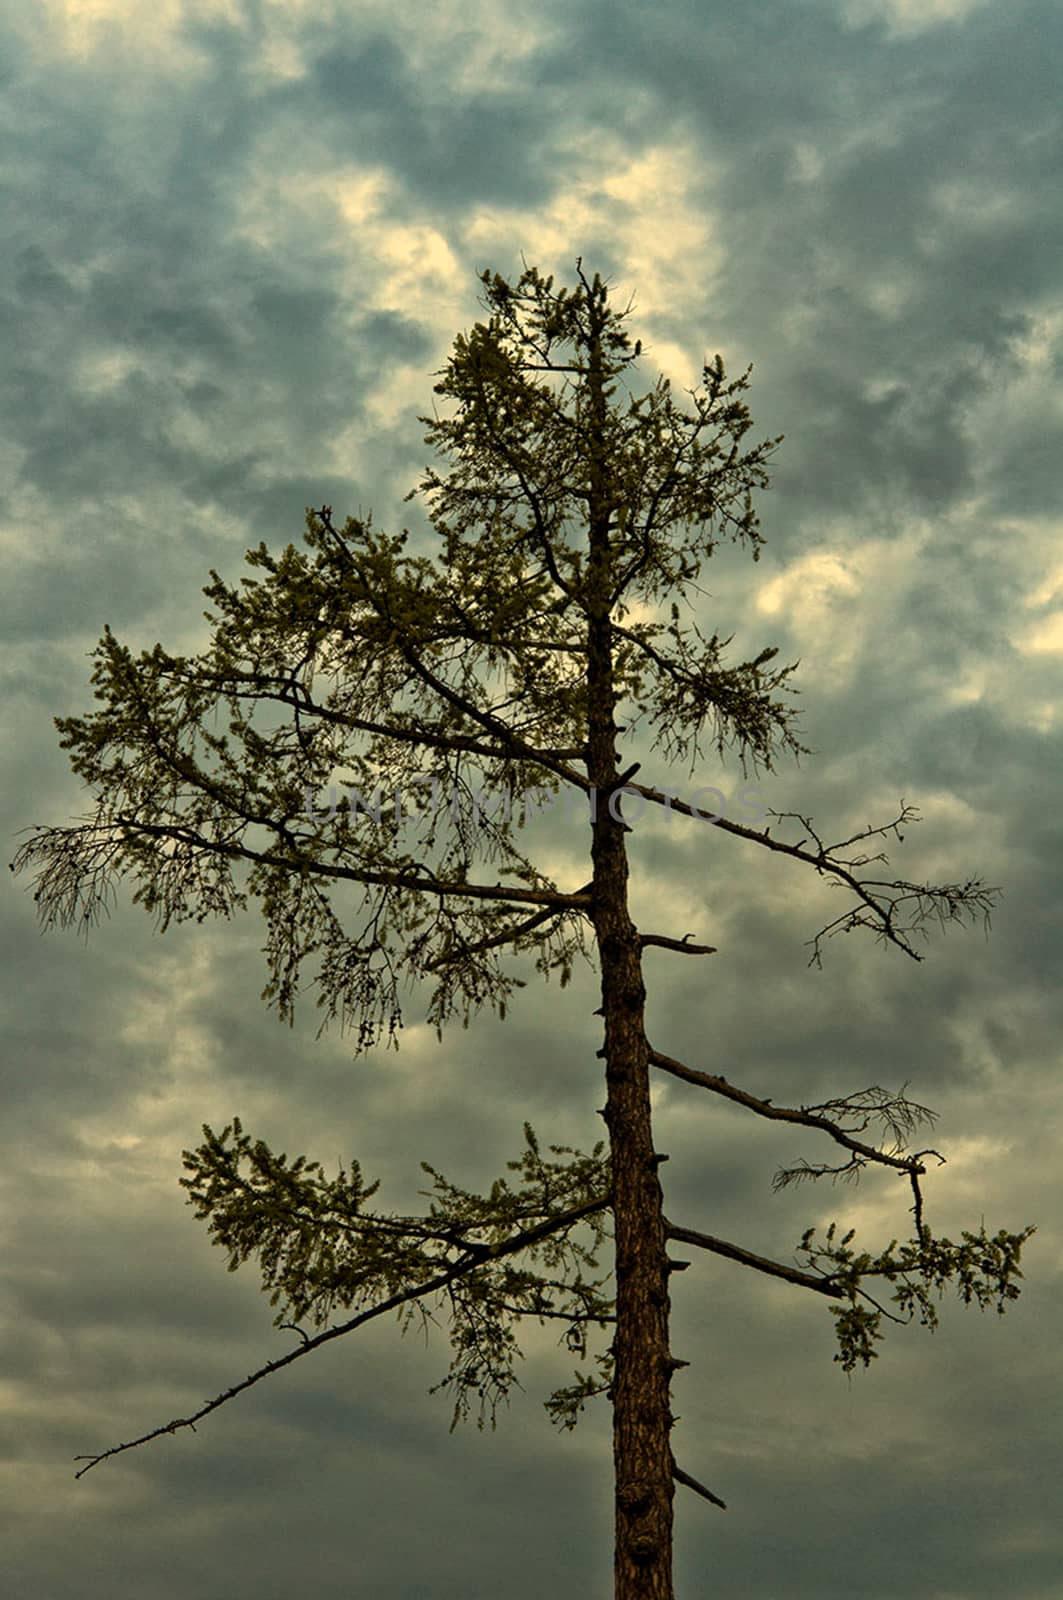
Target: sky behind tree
[239,241]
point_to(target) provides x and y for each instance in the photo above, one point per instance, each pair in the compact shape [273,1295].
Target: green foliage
[532,452]
[566,1406]
[352,661]
[983,1269]
[319,1250]
[183,808]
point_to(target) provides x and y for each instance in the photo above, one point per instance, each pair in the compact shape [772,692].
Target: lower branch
[442,1280]
[699,1488]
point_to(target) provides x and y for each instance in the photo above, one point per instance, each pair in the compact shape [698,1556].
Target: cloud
[906,19]
[241,238]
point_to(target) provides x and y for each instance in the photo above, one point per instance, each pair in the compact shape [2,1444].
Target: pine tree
[572,523]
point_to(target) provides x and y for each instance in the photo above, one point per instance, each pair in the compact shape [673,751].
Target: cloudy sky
[239,238]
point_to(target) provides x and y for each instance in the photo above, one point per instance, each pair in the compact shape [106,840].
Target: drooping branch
[982,1268]
[850,1169]
[470,1262]
[507,936]
[61,901]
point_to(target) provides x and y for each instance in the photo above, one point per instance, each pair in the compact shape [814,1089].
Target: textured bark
[642,1416]
[641,1412]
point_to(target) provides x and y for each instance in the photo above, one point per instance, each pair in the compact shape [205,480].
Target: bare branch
[774,1269]
[804,1116]
[699,1488]
[948,902]
[683,945]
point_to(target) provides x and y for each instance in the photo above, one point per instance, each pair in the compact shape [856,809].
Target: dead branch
[948,902]
[803,1116]
[699,1488]
[774,1269]
[683,945]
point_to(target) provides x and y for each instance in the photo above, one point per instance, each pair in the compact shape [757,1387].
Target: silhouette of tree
[573,521]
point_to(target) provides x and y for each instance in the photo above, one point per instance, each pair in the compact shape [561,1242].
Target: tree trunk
[642,1418]
[641,1413]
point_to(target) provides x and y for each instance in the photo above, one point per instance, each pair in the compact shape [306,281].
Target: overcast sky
[238,239]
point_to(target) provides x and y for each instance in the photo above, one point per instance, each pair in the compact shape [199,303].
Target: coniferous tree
[572,522]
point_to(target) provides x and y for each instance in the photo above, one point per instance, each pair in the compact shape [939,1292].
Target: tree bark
[641,1413]
[642,1417]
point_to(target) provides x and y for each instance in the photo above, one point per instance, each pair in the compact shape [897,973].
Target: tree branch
[948,900]
[774,1269]
[683,945]
[531,496]
[300,700]
[804,1117]
[699,1488]
[460,702]
[507,936]
[395,880]
[495,725]
[468,1264]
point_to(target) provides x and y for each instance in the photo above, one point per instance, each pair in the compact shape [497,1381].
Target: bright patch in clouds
[819,594]
[1045,639]
[907,17]
[667,238]
[80,28]
[1045,635]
